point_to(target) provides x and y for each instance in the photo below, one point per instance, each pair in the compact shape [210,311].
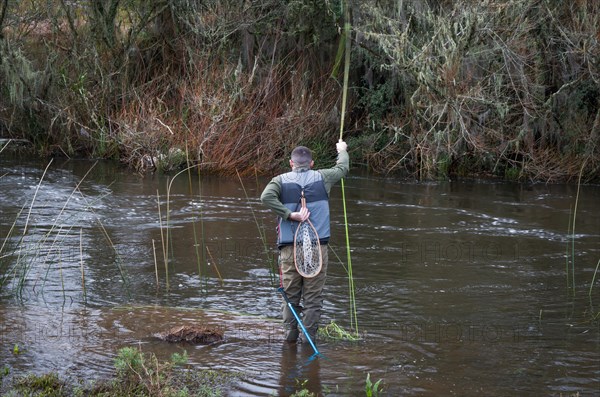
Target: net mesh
[307,250]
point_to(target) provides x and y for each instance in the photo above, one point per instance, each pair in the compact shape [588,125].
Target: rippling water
[461,287]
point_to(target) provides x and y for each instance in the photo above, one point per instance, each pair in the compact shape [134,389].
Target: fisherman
[282,195]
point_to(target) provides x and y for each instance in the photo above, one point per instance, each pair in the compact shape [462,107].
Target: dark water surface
[461,287]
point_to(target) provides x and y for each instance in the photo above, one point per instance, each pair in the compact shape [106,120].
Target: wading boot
[291,335]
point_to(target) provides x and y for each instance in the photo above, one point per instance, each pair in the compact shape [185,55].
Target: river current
[464,288]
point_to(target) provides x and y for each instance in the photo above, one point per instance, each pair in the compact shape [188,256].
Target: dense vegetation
[498,87]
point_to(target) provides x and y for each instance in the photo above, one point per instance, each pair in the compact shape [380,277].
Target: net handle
[302,200]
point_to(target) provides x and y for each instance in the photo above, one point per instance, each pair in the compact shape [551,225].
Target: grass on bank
[138,373]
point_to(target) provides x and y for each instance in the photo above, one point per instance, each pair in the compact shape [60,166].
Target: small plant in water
[303,392]
[4,371]
[372,389]
[332,331]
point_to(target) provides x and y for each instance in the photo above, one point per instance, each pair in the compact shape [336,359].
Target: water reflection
[300,369]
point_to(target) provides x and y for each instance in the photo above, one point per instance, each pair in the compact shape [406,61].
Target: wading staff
[287,300]
[353,315]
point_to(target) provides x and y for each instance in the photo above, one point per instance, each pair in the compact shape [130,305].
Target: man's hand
[300,216]
[341,146]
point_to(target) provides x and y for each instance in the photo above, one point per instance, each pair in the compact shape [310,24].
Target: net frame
[308,258]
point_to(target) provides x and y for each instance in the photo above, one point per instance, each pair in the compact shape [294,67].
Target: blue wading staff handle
[280,289]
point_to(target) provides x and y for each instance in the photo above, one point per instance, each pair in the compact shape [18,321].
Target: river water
[463,288]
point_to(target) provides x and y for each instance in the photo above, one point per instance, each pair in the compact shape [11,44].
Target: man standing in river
[282,195]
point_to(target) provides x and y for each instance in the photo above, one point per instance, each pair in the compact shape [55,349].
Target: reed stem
[261,233]
[62,280]
[37,189]
[160,226]
[82,268]
[352,298]
[200,253]
[9,234]
[118,260]
[567,255]
[167,239]
[215,266]
[5,145]
[594,278]
[155,263]
[573,228]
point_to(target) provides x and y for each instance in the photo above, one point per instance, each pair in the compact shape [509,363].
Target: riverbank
[136,373]
[175,160]
[435,90]
[141,374]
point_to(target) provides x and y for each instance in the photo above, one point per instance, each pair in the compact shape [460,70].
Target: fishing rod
[353,315]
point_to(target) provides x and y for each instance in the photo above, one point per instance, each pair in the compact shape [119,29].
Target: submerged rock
[192,334]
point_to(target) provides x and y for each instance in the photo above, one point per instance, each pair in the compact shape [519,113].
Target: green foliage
[129,360]
[303,391]
[378,101]
[143,374]
[139,369]
[136,374]
[179,358]
[4,372]
[372,389]
[332,331]
[443,165]
[512,173]
[48,385]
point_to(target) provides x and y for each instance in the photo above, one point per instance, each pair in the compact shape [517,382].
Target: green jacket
[270,197]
